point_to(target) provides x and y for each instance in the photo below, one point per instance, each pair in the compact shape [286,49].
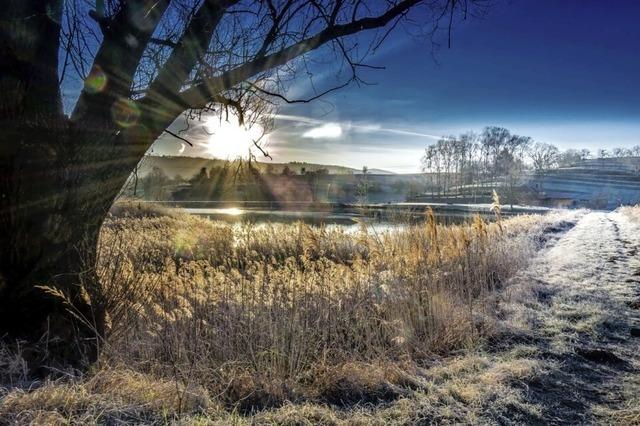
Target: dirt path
[584,316]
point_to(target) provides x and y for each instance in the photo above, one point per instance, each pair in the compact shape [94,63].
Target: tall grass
[207,320]
[257,315]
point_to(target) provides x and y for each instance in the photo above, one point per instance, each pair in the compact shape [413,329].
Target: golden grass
[109,394]
[207,315]
[456,391]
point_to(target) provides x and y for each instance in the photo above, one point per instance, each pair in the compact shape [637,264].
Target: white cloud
[328,131]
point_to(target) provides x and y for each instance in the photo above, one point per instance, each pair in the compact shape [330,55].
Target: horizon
[168,146]
[356,170]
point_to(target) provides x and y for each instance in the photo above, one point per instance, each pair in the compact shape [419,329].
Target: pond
[378,217]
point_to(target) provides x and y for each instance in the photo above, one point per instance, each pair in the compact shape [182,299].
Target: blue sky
[564,72]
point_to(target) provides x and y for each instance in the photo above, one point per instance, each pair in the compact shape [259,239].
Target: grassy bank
[290,323]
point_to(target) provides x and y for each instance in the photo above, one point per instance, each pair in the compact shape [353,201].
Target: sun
[229,140]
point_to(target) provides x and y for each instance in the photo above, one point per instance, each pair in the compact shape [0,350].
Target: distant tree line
[224,181]
[463,165]
[470,165]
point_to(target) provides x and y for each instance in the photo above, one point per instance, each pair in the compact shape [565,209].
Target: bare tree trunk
[57,183]
[57,186]
[58,179]
[38,235]
[48,235]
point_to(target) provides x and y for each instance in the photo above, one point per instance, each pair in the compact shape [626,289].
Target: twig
[178,137]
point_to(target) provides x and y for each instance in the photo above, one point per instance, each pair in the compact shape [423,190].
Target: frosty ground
[582,319]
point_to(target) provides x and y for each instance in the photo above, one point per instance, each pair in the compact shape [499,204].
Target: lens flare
[96,81]
[125,112]
[137,134]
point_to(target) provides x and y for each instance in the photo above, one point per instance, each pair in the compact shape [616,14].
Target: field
[290,324]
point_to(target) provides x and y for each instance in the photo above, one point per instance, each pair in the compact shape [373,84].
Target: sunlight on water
[231,211]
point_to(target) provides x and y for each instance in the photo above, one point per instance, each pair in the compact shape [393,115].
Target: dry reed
[255,316]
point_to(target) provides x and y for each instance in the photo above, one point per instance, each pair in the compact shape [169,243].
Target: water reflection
[386,220]
[236,214]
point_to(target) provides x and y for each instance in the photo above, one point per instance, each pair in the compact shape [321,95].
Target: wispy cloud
[331,129]
[297,118]
[376,128]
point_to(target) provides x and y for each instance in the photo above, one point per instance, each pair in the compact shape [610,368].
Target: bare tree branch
[126,35]
[199,95]
[178,136]
[299,101]
[189,50]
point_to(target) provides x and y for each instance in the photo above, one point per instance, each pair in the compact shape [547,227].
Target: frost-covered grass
[210,322]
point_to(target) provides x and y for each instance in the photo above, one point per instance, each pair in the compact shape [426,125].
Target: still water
[380,221]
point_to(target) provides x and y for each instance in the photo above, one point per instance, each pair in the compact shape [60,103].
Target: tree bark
[37,235]
[58,179]
[48,235]
[57,185]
